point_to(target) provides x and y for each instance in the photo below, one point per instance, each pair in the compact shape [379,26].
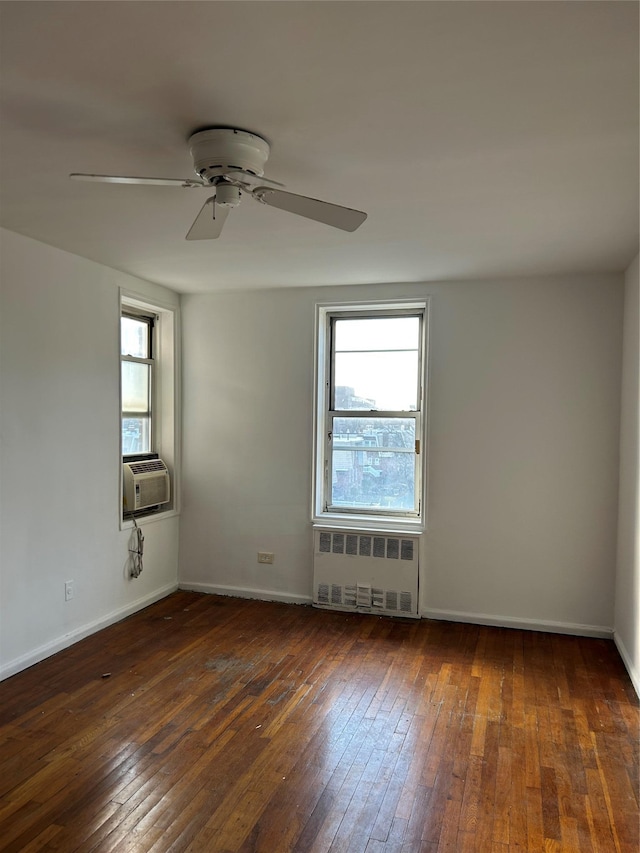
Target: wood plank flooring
[221,725]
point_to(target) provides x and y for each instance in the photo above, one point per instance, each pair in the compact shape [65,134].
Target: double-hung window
[137,368]
[149,397]
[370,425]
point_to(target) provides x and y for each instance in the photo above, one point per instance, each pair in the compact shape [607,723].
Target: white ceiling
[482,138]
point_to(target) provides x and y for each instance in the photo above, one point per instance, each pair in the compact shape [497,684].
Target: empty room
[319,426]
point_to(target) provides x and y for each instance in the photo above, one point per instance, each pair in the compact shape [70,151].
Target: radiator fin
[364,595]
[365,546]
[405,602]
[406,550]
[393,549]
[324,544]
[379,546]
[323,593]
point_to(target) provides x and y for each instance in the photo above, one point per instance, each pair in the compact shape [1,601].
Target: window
[149,390]
[370,411]
[137,366]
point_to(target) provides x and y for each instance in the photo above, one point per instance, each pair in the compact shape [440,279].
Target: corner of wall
[627,587]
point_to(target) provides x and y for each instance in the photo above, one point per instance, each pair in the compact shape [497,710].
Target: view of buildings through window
[373,463]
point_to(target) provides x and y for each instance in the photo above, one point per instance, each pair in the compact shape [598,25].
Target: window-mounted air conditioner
[145,484]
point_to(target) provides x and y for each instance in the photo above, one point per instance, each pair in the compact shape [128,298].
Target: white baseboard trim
[522,624]
[245,592]
[48,649]
[634,675]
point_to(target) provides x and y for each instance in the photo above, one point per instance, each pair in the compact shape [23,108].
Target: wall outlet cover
[265,557]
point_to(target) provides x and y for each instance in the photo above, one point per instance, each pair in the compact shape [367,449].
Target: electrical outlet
[265,557]
[68,590]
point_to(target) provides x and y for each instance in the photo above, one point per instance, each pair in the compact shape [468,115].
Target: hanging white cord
[136,559]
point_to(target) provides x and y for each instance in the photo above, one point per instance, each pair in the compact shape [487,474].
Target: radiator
[366,572]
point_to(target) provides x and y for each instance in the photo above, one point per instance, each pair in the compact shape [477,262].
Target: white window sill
[127,523]
[366,524]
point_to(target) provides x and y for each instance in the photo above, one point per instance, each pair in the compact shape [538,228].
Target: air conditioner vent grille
[146,466]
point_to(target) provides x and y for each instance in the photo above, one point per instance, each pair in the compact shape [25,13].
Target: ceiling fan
[232,162]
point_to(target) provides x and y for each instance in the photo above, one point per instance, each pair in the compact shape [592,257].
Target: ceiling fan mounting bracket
[221,150]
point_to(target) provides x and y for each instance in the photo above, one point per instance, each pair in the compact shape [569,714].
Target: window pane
[134,337]
[373,463]
[376,380]
[376,364]
[136,435]
[377,333]
[135,386]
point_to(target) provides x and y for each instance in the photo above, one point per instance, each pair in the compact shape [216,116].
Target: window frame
[323,511]
[151,320]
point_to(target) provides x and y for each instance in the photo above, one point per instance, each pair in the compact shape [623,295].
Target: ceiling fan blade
[322,211]
[122,179]
[237,176]
[209,222]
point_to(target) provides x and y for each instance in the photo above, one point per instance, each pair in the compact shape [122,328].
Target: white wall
[627,601]
[59,455]
[523,446]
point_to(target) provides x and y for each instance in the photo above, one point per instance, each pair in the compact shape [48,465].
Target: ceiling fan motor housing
[219,151]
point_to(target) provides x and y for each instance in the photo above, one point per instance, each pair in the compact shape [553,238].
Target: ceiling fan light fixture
[227,195]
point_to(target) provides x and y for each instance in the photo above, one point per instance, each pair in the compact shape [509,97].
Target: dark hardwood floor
[218,724]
